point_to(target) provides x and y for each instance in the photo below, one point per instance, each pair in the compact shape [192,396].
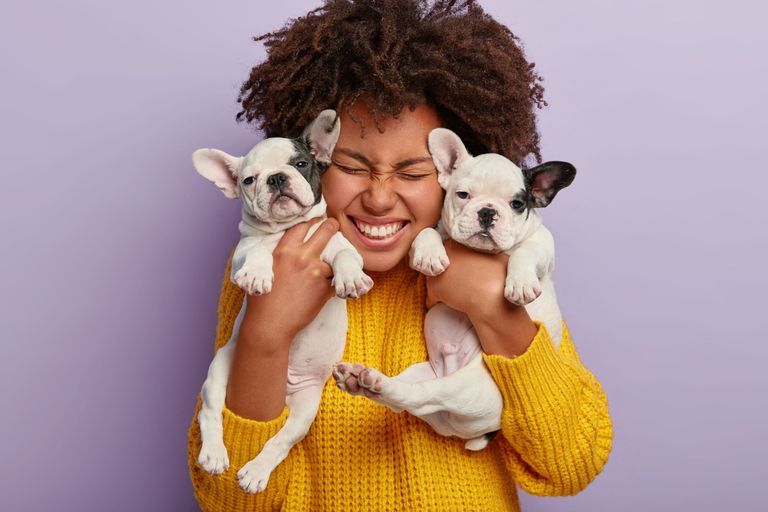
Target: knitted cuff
[535,374]
[244,440]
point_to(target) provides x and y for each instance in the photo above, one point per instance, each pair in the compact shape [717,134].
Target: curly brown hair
[396,53]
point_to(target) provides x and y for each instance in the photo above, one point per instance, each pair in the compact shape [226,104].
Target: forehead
[490,173]
[394,140]
[270,153]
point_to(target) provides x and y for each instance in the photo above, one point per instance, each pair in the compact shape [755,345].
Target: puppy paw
[521,289]
[254,279]
[358,379]
[213,459]
[253,477]
[430,260]
[351,284]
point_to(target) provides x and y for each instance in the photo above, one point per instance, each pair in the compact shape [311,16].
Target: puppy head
[279,179]
[488,198]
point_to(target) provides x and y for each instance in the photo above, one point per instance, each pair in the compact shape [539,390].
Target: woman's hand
[473,283]
[257,379]
[301,285]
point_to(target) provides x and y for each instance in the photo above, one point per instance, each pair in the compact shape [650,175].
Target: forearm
[257,379]
[555,417]
[504,329]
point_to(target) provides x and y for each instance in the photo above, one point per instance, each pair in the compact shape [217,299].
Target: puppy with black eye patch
[490,205]
[279,184]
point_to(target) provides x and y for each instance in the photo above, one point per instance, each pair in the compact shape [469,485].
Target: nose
[277,181]
[486,216]
[379,198]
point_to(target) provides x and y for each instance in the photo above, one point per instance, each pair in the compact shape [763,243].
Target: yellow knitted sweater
[555,437]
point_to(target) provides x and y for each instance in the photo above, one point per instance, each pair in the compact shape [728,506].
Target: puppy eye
[248,180]
[517,204]
[462,195]
[301,164]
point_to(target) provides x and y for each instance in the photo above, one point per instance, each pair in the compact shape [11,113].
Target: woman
[395,69]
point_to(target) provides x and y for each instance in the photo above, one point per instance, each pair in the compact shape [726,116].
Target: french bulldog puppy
[278,182]
[489,206]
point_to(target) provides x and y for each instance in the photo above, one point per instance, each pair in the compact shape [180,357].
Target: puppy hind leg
[418,372]
[303,405]
[213,456]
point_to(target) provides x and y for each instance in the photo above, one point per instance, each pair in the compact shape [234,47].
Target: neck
[251,224]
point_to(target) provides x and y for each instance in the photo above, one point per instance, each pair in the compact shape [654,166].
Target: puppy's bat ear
[322,134]
[448,153]
[544,181]
[219,167]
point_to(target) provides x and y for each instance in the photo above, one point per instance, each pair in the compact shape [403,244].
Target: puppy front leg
[303,405]
[427,253]
[349,280]
[252,263]
[528,262]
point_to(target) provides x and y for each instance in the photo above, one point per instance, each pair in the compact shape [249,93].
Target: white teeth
[384,231]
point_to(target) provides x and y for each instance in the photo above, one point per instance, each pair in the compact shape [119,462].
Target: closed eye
[350,170]
[414,176]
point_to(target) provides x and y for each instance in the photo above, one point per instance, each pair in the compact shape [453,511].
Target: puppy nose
[486,216]
[277,181]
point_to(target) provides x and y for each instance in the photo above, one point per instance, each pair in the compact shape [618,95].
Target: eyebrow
[398,166]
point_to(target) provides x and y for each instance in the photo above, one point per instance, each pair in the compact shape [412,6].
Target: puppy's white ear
[448,153]
[322,134]
[219,167]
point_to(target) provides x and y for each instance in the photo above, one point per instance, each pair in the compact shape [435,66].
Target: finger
[320,238]
[297,233]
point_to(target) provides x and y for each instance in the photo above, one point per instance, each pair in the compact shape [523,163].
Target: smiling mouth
[378,231]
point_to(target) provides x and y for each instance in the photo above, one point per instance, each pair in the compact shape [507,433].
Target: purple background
[113,247]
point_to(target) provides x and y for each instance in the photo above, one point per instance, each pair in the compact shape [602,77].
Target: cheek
[337,190]
[425,202]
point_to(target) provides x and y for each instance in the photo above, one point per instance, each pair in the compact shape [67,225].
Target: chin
[381,262]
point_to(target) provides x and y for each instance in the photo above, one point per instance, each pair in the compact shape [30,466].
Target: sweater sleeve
[556,430]
[243,438]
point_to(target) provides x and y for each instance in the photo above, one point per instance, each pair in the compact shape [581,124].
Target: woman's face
[383,188]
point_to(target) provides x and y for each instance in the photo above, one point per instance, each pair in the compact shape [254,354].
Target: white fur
[318,346]
[453,391]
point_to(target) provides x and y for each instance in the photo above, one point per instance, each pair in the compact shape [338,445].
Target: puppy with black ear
[490,205]
[278,182]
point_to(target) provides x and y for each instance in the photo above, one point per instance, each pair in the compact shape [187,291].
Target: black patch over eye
[462,195]
[301,164]
[248,180]
[517,204]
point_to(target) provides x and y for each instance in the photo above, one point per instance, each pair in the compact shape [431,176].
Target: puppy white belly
[545,310]
[317,347]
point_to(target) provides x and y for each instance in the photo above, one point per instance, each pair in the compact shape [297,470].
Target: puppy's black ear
[448,152]
[322,134]
[545,180]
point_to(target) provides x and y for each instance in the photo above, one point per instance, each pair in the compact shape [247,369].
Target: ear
[448,153]
[544,181]
[322,134]
[219,167]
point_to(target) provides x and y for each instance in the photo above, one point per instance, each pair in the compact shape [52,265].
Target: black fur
[312,171]
[538,195]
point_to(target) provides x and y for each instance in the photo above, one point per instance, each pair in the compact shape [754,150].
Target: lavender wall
[112,247]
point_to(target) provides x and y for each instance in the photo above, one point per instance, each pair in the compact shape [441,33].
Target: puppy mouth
[378,231]
[284,197]
[483,241]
